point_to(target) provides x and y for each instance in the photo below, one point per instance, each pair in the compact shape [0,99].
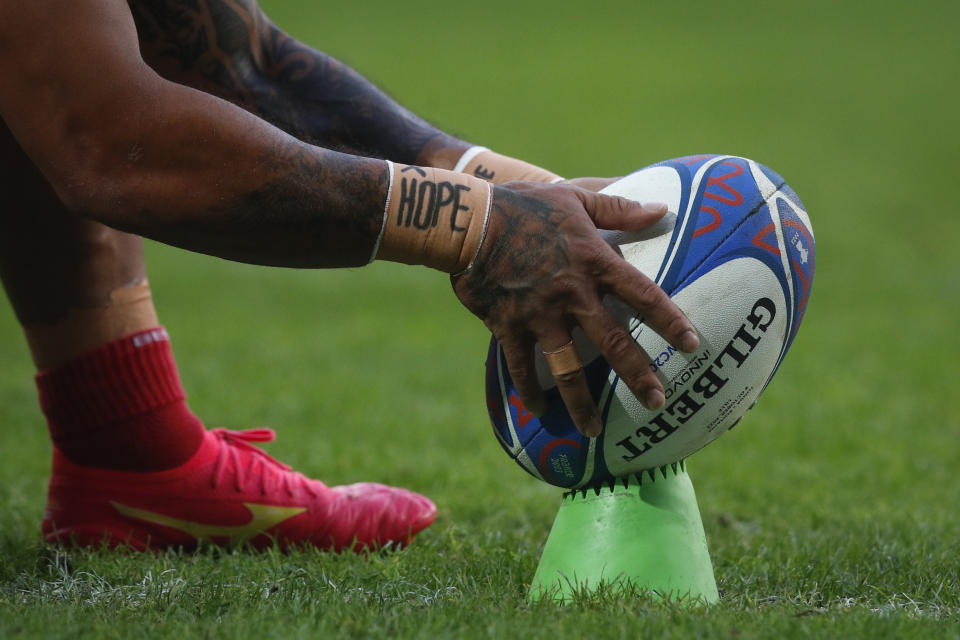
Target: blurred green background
[830,510]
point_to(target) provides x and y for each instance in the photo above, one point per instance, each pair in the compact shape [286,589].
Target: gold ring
[563,360]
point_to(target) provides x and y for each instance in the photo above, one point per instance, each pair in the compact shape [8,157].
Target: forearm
[142,154]
[318,98]
[201,174]
[237,53]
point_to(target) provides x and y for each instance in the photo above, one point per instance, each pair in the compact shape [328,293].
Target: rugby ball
[735,252]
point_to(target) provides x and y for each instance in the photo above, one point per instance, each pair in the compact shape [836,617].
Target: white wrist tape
[467,156]
[391,171]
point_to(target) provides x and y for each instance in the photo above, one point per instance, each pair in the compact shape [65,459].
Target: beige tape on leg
[434,217]
[563,360]
[129,310]
[494,167]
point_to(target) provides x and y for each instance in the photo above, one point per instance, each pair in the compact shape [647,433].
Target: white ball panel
[708,302]
[654,184]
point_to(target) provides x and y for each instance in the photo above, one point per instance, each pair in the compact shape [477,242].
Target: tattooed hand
[544,269]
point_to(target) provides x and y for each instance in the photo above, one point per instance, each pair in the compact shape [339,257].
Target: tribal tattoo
[277,215]
[231,49]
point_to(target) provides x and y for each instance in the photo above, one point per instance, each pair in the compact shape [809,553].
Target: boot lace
[249,462]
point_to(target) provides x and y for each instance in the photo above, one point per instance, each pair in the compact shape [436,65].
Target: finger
[659,312]
[520,353]
[623,354]
[614,212]
[561,355]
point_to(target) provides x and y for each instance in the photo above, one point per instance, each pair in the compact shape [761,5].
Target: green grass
[830,512]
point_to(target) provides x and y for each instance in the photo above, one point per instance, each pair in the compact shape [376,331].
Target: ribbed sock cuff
[116,381]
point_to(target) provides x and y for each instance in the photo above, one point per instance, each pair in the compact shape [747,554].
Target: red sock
[121,406]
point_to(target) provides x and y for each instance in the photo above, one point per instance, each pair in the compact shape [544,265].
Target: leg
[73,283]
[76,286]
[132,465]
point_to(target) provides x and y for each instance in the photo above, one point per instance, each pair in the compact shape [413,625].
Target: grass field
[832,511]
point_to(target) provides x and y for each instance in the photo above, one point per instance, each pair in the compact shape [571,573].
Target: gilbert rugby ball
[735,252]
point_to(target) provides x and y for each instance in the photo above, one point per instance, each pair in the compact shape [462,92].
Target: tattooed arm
[142,154]
[231,49]
[134,151]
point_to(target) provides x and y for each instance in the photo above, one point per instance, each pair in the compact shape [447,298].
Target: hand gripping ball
[736,252]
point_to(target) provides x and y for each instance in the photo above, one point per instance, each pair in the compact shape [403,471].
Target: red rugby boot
[229,493]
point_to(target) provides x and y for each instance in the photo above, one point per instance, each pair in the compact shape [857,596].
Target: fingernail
[594,426]
[655,208]
[654,399]
[689,341]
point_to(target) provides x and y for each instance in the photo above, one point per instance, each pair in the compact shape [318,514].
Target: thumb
[616,213]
